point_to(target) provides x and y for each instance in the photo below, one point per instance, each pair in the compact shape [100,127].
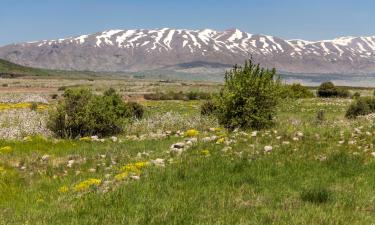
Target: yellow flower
[217,129]
[205,152]
[220,141]
[27,138]
[121,176]
[63,189]
[134,167]
[85,139]
[140,165]
[191,133]
[6,149]
[85,185]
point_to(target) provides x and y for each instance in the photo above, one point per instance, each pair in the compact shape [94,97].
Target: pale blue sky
[29,20]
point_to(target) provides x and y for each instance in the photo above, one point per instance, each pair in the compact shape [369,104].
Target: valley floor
[303,171]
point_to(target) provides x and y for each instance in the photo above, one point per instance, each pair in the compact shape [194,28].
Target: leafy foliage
[81,113]
[329,90]
[208,108]
[296,91]
[362,106]
[249,97]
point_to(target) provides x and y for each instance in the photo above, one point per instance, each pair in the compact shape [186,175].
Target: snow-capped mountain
[138,50]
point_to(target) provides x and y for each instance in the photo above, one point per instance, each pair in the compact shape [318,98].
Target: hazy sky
[29,20]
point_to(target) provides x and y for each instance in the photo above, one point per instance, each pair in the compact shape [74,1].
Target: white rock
[94,138]
[268,148]
[286,143]
[295,139]
[45,157]
[299,134]
[158,162]
[206,139]
[254,133]
[135,177]
[178,145]
[114,139]
[92,170]
[70,163]
[373,154]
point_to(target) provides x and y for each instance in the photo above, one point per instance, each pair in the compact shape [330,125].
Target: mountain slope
[11,69]
[194,51]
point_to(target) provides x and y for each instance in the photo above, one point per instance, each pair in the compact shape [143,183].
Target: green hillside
[11,69]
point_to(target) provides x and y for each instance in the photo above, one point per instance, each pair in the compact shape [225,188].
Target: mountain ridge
[147,49]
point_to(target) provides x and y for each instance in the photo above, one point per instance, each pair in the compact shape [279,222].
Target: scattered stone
[178,145]
[134,177]
[268,148]
[45,158]
[254,133]
[114,139]
[70,163]
[92,170]
[158,162]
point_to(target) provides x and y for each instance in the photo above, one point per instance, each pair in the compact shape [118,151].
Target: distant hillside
[14,70]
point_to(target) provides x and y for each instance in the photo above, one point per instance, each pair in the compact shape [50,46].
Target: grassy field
[303,171]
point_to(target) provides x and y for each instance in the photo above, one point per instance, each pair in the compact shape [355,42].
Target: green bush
[329,90]
[342,92]
[296,91]
[248,98]
[362,106]
[81,113]
[136,110]
[208,108]
[356,95]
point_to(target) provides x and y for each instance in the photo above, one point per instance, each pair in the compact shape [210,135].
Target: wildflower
[27,138]
[87,184]
[63,189]
[220,141]
[254,133]
[191,133]
[121,176]
[6,149]
[205,152]
[85,139]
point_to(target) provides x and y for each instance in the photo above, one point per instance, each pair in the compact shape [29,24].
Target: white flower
[114,139]
[158,162]
[254,133]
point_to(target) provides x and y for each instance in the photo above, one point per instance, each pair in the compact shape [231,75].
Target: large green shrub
[248,98]
[81,113]
[296,91]
[329,90]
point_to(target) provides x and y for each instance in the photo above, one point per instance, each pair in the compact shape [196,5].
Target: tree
[248,98]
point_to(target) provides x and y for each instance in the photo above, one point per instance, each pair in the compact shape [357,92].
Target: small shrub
[248,98]
[296,91]
[320,116]
[317,195]
[54,96]
[356,95]
[81,113]
[362,106]
[34,106]
[327,89]
[342,92]
[208,108]
[136,110]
